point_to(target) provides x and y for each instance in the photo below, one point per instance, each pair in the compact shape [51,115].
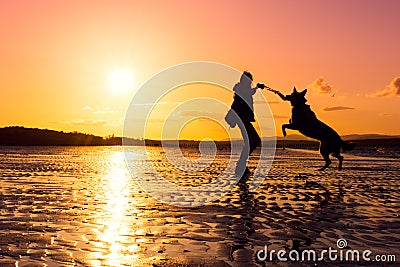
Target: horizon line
[218,140]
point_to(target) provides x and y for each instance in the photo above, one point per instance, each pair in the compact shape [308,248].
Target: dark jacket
[243,102]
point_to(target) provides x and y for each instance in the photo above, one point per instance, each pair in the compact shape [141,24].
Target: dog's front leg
[284,127]
[287,126]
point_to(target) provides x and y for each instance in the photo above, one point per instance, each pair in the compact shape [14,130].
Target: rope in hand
[263,86]
[271,89]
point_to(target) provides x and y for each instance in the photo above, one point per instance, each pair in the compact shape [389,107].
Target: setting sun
[120,80]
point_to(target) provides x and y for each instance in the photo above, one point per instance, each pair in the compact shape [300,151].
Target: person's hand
[261,85]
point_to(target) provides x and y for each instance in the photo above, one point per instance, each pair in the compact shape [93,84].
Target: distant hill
[355,137]
[349,137]
[291,137]
[297,137]
[21,136]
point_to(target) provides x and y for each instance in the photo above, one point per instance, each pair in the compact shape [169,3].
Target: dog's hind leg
[340,158]
[327,162]
[325,154]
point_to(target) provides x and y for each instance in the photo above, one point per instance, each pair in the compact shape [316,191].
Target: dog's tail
[348,146]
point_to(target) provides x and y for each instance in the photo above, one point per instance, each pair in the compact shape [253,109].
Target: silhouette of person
[243,107]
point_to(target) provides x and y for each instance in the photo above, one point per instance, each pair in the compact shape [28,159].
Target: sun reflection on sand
[77,206]
[117,216]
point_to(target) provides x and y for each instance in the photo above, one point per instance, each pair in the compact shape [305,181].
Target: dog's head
[297,98]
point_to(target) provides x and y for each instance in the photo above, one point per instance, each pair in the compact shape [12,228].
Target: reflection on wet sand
[79,206]
[117,215]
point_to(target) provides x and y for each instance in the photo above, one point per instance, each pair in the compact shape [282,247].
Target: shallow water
[79,206]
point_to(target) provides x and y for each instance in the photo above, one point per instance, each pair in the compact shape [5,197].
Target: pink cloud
[321,86]
[393,89]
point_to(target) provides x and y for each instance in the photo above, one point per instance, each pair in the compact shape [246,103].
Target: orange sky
[57,57]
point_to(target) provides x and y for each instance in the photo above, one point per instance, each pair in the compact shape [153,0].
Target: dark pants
[251,142]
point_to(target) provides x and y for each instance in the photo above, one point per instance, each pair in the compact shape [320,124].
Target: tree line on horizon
[21,136]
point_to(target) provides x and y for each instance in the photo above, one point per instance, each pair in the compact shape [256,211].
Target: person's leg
[244,155]
[254,138]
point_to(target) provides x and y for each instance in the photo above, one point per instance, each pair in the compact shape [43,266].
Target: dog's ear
[303,92]
[294,90]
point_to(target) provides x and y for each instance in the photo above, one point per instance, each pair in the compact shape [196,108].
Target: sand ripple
[78,206]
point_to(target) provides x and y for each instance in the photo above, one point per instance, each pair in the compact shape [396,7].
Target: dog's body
[304,120]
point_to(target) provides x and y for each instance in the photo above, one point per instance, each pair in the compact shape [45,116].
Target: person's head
[247,78]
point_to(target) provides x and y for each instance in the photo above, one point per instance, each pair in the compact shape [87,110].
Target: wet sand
[78,206]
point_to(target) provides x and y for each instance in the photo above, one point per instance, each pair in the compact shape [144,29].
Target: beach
[79,206]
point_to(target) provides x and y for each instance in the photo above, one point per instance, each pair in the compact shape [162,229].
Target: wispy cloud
[269,102]
[80,122]
[280,117]
[207,114]
[87,108]
[337,108]
[275,116]
[321,86]
[156,104]
[105,111]
[88,122]
[100,110]
[393,89]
